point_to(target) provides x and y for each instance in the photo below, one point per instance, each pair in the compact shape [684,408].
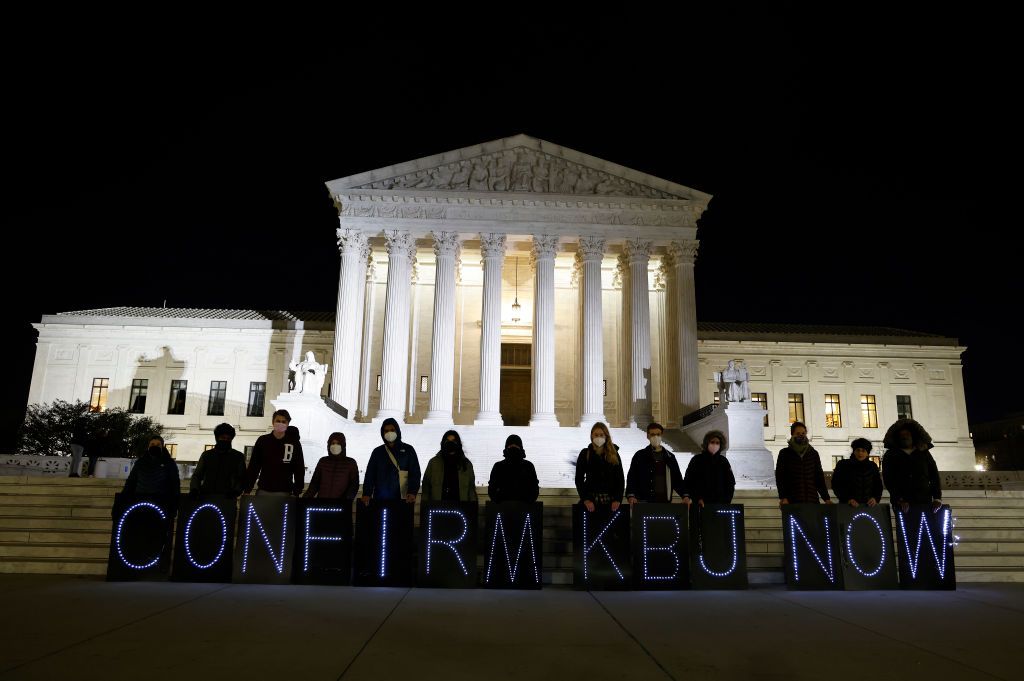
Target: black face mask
[449,447]
[222,445]
[156,451]
[906,442]
[800,440]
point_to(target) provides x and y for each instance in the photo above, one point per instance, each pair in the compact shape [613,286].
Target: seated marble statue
[309,375]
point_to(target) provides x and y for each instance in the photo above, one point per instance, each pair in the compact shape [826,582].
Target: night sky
[856,161]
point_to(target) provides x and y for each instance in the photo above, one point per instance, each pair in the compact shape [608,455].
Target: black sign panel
[514,546]
[718,550]
[323,547]
[869,561]
[140,539]
[811,547]
[266,539]
[925,548]
[661,547]
[383,543]
[204,539]
[448,536]
[601,548]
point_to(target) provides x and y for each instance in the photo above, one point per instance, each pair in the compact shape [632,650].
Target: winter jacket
[800,478]
[277,464]
[154,475]
[335,477]
[219,472]
[709,478]
[913,477]
[381,481]
[513,479]
[433,480]
[857,480]
[641,479]
[595,477]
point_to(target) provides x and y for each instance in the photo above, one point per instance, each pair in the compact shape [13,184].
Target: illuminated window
[207,448]
[903,410]
[717,398]
[218,395]
[137,399]
[868,411]
[762,399]
[424,384]
[796,407]
[176,403]
[257,397]
[833,413]
[98,398]
[173,449]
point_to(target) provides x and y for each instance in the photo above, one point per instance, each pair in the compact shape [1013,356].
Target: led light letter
[450,543]
[849,545]
[513,566]
[599,541]
[733,514]
[223,537]
[278,561]
[914,561]
[670,548]
[120,525]
[829,571]
[309,538]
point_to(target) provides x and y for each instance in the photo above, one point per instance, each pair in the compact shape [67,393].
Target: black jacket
[640,482]
[513,479]
[709,477]
[219,472]
[800,478]
[595,476]
[913,477]
[859,480]
[154,474]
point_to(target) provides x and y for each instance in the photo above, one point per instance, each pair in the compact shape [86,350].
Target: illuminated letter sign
[263,554]
[926,548]
[448,531]
[660,546]
[868,558]
[719,554]
[204,539]
[604,533]
[514,562]
[811,551]
[140,539]
[323,553]
[383,543]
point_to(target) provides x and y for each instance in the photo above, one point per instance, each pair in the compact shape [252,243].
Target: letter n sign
[323,550]
[601,548]
[661,557]
[140,540]
[718,551]
[811,547]
[448,532]
[514,545]
[926,548]
[204,539]
[266,539]
[383,544]
[869,561]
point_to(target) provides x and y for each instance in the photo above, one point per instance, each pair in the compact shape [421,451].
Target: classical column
[590,253]
[442,346]
[369,304]
[351,243]
[492,248]
[359,332]
[542,258]
[625,391]
[684,253]
[638,253]
[401,252]
[413,384]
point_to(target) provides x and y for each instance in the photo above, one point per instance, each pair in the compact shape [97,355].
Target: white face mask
[655,440]
[391,436]
[713,448]
[599,441]
[335,450]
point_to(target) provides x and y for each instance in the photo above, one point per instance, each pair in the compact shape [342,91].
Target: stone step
[54,566]
[49,500]
[52,523]
[62,551]
[55,536]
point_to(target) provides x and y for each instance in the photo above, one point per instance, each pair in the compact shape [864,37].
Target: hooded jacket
[219,472]
[858,480]
[335,477]
[912,477]
[433,480]
[154,474]
[277,464]
[709,477]
[513,478]
[800,479]
[642,475]
[381,481]
[596,476]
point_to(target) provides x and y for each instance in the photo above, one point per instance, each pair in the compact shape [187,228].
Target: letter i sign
[288,449]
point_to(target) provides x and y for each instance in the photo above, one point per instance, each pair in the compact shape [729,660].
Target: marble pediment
[519,164]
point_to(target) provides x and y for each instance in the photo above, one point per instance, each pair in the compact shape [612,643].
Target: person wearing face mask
[221,470]
[336,475]
[798,473]
[599,478]
[653,472]
[513,478]
[449,475]
[856,480]
[276,461]
[709,478]
[393,471]
[154,473]
[908,469]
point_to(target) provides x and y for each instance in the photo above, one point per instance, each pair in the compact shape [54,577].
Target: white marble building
[435,256]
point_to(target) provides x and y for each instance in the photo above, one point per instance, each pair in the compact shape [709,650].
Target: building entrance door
[515,384]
